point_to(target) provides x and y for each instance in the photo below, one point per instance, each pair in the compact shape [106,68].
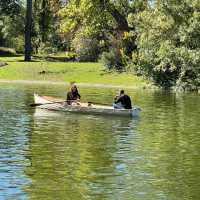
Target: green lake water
[57,156]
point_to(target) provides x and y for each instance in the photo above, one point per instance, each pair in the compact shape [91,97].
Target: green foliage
[86,48]
[106,21]
[12,31]
[45,36]
[189,77]
[169,45]
[10,7]
[113,60]
[66,56]
[83,14]
[18,43]
[11,23]
[45,49]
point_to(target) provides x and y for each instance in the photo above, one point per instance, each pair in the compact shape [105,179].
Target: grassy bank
[93,73]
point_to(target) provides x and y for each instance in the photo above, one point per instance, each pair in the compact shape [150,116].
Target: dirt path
[97,85]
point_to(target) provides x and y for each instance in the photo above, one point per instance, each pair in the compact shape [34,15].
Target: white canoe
[51,103]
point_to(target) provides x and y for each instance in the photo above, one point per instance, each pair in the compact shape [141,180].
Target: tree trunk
[28,30]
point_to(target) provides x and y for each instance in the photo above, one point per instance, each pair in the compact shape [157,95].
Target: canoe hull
[83,108]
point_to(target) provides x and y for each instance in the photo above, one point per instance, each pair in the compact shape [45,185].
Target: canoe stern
[136,111]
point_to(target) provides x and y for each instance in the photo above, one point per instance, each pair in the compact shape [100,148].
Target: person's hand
[116,97]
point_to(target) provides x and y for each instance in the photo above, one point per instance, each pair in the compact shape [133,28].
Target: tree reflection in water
[77,156]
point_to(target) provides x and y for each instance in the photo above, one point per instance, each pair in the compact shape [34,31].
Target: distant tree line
[158,39]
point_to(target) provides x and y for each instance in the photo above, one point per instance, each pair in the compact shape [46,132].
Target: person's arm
[79,96]
[117,99]
[69,98]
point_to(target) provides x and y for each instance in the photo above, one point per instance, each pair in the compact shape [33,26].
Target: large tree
[103,18]
[108,13]
[28,30]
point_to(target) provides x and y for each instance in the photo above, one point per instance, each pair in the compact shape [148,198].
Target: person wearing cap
[73,95]
[122,101]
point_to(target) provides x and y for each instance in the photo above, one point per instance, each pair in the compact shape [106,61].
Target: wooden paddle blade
[35,104]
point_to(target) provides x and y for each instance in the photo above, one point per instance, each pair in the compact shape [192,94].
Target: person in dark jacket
[73,95]
[122,101]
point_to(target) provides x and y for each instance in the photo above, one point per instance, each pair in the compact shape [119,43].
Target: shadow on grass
[21,60]
[107,72]
[10,55]
[32,61]
[54,59]
[35,58]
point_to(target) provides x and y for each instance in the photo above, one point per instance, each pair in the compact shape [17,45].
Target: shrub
[70,55]
[113,60]
[86,48]
[45,49]
[63,56]
[18,44]
[189,77]
[168,47]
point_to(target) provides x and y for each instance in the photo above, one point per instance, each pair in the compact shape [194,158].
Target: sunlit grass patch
[17,69]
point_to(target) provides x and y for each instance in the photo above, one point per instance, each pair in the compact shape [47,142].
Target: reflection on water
[85,152]
[14,126]
[52,155]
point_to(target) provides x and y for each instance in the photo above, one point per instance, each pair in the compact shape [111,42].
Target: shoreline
[94,85]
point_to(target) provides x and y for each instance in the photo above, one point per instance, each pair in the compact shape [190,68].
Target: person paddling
[122,101]
[73,95]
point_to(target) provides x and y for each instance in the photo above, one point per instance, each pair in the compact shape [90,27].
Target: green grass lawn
[93,73]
